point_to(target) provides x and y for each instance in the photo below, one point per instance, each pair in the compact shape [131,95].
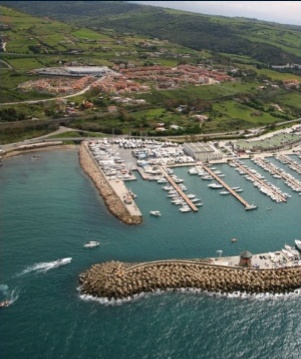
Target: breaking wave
[235,295]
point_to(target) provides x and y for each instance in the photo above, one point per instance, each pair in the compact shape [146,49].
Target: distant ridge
[267,42]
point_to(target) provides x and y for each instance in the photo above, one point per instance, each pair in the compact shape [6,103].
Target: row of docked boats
[294,165]
[279,173]
[260,182]
[198,170]
[176,198]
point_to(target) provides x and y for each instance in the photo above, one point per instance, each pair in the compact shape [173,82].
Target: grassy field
[291,99]
[273,75]
[234,110]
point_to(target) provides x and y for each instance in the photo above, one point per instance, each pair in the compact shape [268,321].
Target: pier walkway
[247,205]
[178,189]
[279,196]
[291,163]
[290,180]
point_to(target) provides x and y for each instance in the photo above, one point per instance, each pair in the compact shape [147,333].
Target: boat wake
[235,295]
[45,266]
[10,295]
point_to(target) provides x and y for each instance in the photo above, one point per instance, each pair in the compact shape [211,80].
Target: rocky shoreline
[119,280]
[110,197]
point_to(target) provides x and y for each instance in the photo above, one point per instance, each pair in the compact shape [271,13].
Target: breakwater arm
[120,280]
[112,199]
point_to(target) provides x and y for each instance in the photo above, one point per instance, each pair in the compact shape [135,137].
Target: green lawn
[291,99]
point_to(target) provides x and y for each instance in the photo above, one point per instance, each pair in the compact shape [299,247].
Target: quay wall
[113,202]
[117,280]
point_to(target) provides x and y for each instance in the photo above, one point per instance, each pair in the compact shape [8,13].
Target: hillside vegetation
[265,42]
[176,92]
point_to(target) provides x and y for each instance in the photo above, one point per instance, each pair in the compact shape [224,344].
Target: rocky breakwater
[114,203]
[117,280]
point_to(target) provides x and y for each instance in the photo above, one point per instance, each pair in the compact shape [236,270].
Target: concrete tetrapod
[120,280]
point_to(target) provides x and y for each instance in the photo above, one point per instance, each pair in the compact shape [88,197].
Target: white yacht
[215,185]
[185,208]
[91,244]
[155,213]
[298,244]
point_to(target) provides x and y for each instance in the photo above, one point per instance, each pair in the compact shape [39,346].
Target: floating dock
[247,205]
[279,196]
[291,181]
[178,189]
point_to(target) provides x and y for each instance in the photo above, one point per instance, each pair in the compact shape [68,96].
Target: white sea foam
[10,295]
[45,266]
[234,295]
[3,288]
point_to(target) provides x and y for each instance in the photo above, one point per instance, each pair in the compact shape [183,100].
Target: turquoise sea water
[49,208]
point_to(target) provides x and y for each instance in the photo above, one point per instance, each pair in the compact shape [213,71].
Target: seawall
[120,280]
[112,200]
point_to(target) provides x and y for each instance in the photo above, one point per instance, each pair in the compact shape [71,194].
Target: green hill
[261,41]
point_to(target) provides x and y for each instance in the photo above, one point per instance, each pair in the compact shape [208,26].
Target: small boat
[62,261]
[238,190]
[224,192]
[184,209]
[191,195]
[215,185]
[5,303]
[199,204]
[251,207]
[91,244]
[233,240]
[194,200]
[155,213]
[298,244]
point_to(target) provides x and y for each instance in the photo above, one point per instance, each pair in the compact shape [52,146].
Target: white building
[202,151]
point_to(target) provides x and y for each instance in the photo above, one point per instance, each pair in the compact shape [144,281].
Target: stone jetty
[113,201]
[118,280]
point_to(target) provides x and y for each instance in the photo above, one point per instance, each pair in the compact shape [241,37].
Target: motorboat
[91,244]
[251,207]
[233,240]
[62,261]
[155,213]
[162,180]
[293,251]
[298,244]
[5,303]
[193,171]
[238,190]
[191,195]
[194,200]
[224,192]
[207,177]
[184,209]
[215,185]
